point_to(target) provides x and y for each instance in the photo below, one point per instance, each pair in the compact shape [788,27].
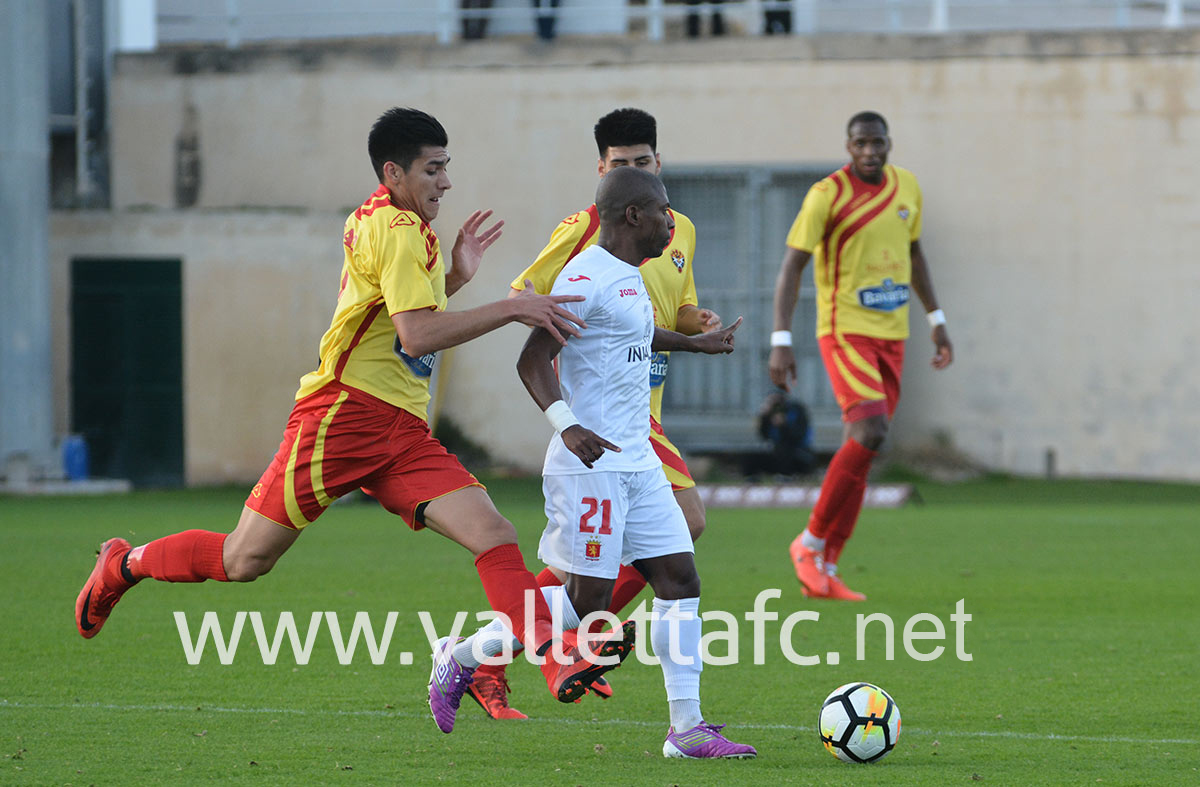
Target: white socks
[675,636]
[809,541]
[489,640]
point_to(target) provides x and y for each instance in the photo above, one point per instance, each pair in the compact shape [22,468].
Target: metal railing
[234,22]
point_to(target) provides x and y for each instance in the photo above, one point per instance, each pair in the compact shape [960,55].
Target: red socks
[505,581]
[547,579]
[629,583]
[843,526]
[190,556]
[842,492]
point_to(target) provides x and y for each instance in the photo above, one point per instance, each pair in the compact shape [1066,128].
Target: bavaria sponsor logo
[887,297]
[421,367]
[658,369]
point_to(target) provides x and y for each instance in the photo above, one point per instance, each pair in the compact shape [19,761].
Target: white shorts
[598,521]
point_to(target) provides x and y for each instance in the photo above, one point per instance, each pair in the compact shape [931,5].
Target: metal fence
[742,216]
[233,22]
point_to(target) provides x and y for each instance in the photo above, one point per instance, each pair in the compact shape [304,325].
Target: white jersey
[605,372]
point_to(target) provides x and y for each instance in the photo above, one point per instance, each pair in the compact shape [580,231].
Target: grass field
[1085,641]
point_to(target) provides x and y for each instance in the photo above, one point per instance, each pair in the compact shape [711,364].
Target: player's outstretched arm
[781,365]
[424,331]
[469,246]
[711,343]
[535,366]
[692,320]
[922,282]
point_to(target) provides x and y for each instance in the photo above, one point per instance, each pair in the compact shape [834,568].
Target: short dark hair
[867,117]
[626,126]
[399,134]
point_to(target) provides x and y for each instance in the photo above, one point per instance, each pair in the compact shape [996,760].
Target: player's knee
[680,587]
[247,568]
[875,437]
[495,531]
[871,432]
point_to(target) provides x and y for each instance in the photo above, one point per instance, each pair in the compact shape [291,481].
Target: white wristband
[936,317]
[781,338]
[560,416]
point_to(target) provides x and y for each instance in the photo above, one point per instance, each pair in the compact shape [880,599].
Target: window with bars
[742,216]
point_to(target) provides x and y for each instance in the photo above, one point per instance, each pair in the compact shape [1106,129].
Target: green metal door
[127,367]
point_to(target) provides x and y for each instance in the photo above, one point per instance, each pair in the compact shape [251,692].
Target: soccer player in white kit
[608,500]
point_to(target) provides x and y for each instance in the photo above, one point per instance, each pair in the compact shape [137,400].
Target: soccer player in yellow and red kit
[359,420]
[862,226]
[624,138]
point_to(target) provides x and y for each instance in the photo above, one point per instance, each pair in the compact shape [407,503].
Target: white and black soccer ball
[859,722]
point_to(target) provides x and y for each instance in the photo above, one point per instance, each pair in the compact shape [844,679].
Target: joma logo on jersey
[638,353]
[591,549]
[625,293]
[887,297]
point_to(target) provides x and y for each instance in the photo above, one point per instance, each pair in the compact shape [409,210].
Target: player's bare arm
[923,284]
[692,320]
[424,331]
[712,343]
[468,249]
[535,366]
[781,364]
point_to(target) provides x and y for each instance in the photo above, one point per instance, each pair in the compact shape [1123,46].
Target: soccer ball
[859,722]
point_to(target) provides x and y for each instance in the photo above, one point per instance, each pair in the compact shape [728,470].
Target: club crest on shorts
[679,260]
[592,549]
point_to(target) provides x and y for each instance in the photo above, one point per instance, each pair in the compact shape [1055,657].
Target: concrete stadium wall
[1058,172]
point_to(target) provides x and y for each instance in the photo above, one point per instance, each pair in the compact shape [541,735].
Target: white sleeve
[577,283]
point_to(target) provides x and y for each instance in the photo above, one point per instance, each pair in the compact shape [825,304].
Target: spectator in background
[547,15]
[785,423]
[777,20]
[474,27]
[693,19]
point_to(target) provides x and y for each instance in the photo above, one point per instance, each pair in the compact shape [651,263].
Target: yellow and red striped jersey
[393,263]
[668,277]
[860,235]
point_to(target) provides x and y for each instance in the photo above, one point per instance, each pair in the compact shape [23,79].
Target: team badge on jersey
[591,550]
[902,212]
[679,260]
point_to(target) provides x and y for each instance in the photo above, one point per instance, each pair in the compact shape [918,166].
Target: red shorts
[340,439]
[865,373]
[672,461]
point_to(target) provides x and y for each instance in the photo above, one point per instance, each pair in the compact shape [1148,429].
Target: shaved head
[623,187]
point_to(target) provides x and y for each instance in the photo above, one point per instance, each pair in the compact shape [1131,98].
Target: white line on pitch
[1029,736]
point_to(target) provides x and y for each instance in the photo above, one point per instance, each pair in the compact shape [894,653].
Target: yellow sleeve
[566,241]
[404,261]
[914,234]
[688,297]
[809,228]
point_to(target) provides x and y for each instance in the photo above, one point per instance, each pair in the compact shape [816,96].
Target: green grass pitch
[1084,641]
